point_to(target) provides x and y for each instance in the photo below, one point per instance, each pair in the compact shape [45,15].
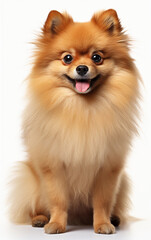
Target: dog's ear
[56,22]
[108,20]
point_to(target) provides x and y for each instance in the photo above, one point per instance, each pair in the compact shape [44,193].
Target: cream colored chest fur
[81,141]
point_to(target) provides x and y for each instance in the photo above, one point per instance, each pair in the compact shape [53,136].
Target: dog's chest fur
[80,142]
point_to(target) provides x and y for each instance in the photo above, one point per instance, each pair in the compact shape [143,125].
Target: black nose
[82,70]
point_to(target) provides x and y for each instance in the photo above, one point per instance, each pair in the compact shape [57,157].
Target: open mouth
[83,85]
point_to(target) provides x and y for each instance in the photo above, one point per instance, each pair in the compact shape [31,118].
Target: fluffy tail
[24,192]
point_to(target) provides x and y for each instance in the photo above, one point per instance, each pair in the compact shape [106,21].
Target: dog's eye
[96,58]
[67,59]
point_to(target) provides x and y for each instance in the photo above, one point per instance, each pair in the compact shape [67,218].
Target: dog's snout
[82,70]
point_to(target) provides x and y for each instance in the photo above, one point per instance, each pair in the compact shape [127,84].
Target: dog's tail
[23,194]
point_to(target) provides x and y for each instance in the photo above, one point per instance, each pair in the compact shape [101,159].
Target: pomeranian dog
[78,125]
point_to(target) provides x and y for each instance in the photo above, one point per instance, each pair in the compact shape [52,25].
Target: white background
[20,22]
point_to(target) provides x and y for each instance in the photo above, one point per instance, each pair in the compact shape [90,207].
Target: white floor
[134,231]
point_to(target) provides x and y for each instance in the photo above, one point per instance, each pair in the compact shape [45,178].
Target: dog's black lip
[74,80]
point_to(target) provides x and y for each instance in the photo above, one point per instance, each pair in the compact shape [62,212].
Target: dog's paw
[105,228]
[54,227]
[39,221]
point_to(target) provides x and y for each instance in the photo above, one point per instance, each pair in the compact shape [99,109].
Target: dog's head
[80,58]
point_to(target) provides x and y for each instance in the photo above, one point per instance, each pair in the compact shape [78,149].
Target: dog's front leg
[103,199]
[55,187]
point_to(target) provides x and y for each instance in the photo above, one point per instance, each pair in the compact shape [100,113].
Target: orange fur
[77,143]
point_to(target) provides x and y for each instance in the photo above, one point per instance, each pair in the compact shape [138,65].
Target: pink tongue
[82,86]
